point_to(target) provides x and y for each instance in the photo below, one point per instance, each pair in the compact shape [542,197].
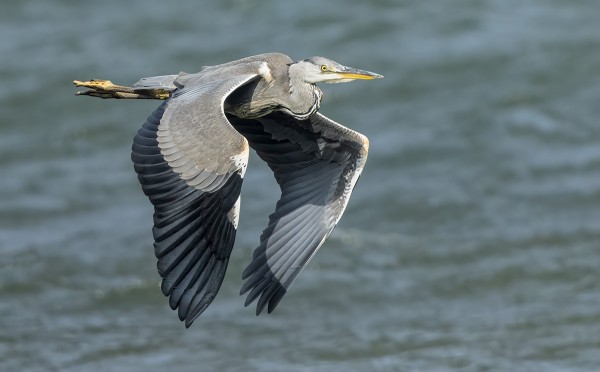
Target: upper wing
[316,163]
[190,162]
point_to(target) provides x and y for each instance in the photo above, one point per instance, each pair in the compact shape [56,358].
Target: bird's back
[257,98]
[261,96]
[274,60]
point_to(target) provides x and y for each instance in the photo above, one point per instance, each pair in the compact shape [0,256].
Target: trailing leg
[106,89]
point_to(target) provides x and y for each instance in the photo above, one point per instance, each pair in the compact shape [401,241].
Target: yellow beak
[354,73]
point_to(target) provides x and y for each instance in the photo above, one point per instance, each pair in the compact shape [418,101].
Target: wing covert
[194,135]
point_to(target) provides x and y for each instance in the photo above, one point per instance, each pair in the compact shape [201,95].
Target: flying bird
[191,154]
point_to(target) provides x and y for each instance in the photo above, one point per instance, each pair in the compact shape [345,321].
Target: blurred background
[472,241]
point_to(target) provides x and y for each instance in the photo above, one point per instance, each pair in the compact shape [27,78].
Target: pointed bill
[354,73]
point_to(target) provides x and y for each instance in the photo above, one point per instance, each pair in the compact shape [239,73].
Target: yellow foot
[106,89]
[96,84]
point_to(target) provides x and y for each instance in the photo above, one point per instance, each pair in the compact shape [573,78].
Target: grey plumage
[191,156]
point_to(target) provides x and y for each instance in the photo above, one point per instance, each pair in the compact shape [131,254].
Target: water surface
[471,241]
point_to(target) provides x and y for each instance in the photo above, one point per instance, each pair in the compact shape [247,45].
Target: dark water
[472,241]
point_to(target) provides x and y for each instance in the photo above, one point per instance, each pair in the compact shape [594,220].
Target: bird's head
[322,70]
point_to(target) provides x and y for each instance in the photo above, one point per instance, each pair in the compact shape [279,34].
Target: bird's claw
[101,89]
[96,84]
[95,93]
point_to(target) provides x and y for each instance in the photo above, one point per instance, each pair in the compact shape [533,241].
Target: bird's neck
[304,98]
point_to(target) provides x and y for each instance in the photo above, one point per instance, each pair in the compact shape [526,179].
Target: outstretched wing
[316,163]
[190,162]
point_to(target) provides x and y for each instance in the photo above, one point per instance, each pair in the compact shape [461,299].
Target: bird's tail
[166,82]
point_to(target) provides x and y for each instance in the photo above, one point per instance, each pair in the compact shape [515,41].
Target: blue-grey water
[472,240]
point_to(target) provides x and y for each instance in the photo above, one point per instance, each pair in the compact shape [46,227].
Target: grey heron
[191,154]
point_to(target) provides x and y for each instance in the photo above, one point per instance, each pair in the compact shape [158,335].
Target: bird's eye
[324,68]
